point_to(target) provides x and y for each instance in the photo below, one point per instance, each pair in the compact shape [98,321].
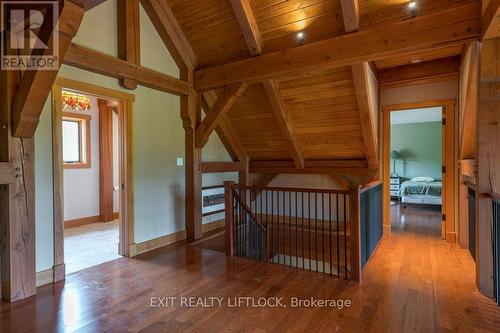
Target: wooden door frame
[450,161]
[125,107]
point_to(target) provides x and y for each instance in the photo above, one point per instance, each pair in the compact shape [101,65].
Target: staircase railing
[496,247]
[307,229]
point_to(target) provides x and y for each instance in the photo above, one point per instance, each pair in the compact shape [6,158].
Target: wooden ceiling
[322,120]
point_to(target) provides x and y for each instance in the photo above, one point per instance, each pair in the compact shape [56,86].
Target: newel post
[355,233]
[229,204]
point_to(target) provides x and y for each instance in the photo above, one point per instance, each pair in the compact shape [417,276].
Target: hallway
[413,283]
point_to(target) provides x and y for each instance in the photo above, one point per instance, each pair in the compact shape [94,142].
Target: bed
[424,192]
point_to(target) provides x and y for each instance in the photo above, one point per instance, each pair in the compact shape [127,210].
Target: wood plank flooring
[415,282]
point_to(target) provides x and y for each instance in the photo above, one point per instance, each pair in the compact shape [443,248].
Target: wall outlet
[180,161]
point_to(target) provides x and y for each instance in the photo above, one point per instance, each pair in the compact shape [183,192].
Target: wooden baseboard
[44,277]
[387,230]
[82,221]
[451,236]
[178,236]
[59,272]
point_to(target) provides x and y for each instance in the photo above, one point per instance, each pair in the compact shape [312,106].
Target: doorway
[420,190]
[91,175]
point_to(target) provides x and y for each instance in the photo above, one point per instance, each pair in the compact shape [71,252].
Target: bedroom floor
[419,219]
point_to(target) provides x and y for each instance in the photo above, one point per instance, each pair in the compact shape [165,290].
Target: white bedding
[423,199]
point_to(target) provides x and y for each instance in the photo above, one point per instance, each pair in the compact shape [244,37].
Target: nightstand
[395,187]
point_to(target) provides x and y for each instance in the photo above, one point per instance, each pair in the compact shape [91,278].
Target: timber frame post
[228,206]
[355,233]
[191,114]
[17,203]
[488,160]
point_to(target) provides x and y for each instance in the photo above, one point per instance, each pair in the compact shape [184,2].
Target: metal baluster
[309,216]
[303,238]
[296,233]
[345,236]
[330,227]
[338,235]
[323,227]
[272,223]
[316,225]
[290,224]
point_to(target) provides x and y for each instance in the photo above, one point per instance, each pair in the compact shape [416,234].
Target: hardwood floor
[415,282]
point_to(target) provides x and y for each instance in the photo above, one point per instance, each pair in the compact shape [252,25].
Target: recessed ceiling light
[300,36]
[412,5]
[415,60]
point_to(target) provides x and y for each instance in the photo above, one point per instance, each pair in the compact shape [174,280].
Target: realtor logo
[28,41]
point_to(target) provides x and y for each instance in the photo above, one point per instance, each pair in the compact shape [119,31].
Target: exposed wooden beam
[191,115]
[491,20]
[220,108]
[488,160]
[88,4]
[95,61]
[284,122]
[435,69]
[350,14]
[170,33]
[364,96]
[264,181]
[225,131]
[129,36]
[468,122]
[218,167]
[6,174]
[246,19]
[35,85]
[333,167]
[446,27]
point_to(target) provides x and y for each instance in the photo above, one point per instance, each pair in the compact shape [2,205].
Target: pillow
[422,179]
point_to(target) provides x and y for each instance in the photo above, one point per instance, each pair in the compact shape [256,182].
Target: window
[76,140]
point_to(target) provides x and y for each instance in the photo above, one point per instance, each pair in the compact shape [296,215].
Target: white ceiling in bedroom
[411,116]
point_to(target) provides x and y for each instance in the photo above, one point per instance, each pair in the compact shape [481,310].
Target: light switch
[180,161]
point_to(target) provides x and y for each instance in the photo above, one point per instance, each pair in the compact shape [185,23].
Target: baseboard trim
[81,221]
[59,272]
[44,277]
[175,237]
[451,236]
[116,215]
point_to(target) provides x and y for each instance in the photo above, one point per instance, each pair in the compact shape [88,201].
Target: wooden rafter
[255,45]
[85,58]
[35,85]
[225,130]
[452,26]
[364,96]
[350,14]
[491,20]
[88,4]
[220,108]
[332,167]
[433,70]
[248,25]
[284,122]
[361,78]
[129,37]
[467,144]
[170,32]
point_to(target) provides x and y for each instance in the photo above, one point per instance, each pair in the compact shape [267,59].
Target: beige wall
[158,139]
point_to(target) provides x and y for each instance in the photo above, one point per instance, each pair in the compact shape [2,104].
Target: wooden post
[191,114]
[129,36]
[17,203]
[355,234]
[105,161]
[228,203]
[488,160]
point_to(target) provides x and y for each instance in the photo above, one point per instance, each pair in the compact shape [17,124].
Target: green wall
[419,145]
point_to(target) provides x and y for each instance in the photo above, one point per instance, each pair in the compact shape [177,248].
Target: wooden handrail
[370,185]
[292,189]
